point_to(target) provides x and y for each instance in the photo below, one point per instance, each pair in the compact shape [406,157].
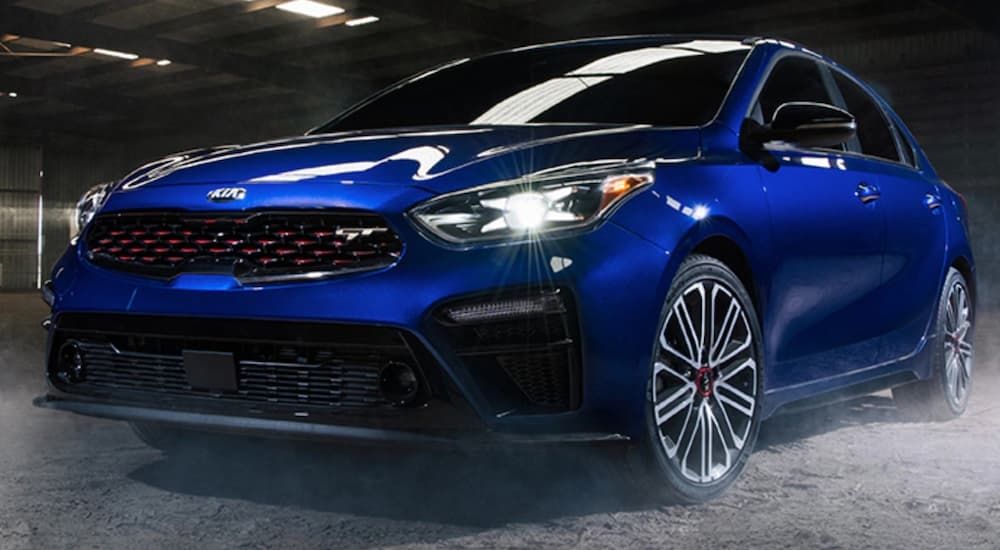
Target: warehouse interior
[91,89]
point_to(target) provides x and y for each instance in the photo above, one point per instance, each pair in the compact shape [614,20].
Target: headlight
[535,205]
[88,205]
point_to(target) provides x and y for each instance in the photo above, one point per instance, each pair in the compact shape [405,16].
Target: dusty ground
[850,477]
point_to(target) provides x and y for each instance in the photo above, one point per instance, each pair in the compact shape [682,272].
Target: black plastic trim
[292,429]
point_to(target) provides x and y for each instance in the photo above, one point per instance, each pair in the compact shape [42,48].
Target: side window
[905,147]
[792,79]
[874,133]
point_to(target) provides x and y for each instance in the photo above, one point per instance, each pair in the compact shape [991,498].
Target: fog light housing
[399,383]
[70,364]
[504,309]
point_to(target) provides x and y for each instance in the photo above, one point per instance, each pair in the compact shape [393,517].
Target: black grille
[332,383]
[543,377]
[325,367]
[534,356]
[250,245]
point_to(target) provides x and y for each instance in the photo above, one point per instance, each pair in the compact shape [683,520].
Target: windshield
[663,82]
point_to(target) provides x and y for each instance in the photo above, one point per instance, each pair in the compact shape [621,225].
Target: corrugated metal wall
[20,189]
[68,173]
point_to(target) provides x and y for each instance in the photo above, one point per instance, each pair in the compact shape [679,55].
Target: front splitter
[288,429]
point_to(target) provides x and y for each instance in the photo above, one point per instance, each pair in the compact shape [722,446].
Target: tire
[945,395]
[702,411]
[158,436]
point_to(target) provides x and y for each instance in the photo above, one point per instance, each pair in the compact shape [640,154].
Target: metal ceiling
[241,67]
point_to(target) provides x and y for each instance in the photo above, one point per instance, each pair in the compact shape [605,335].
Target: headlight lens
[532,206]
[88,205]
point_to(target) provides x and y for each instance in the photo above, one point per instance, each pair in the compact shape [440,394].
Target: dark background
[243,71]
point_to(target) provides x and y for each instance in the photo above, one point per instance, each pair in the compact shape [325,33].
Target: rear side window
[792,79]
[874,133]
[905,148]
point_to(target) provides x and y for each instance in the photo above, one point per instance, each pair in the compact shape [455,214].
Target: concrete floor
[854,476]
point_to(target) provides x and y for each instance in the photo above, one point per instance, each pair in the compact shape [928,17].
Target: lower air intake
[521,347]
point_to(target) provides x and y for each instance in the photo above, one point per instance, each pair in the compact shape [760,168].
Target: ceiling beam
[37,24]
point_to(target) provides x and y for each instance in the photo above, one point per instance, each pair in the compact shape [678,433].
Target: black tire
[945,395]
[158,436]
[661,470]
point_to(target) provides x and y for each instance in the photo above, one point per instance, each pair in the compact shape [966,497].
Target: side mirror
[803,123]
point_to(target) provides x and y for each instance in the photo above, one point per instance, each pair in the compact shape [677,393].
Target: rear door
[828,232]
[915,229]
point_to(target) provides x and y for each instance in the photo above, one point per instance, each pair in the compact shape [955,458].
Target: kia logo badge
[226,194]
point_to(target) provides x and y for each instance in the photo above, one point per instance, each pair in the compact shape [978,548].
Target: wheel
[158,436]
[702,412]
[945,395]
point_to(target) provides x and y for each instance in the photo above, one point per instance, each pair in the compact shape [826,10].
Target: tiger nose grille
[252,246]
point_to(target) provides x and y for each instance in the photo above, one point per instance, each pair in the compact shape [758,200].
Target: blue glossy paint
[845,290]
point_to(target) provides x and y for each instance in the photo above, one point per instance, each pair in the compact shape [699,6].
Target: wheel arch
[727,251]
[723,240]
[965,266]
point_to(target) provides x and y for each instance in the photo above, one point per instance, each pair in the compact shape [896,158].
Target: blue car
[659,240]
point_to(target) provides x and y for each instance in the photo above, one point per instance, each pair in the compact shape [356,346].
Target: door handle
[932,202]
[867,192]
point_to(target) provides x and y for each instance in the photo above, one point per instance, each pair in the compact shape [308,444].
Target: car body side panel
[914,260]
[826,275]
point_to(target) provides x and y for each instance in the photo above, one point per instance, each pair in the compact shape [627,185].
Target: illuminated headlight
[529,207]
[88,205]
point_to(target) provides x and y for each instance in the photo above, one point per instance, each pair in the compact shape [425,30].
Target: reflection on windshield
[634,81]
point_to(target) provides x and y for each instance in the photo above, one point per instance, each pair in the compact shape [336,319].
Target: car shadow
[476,489]
[468,489]
[792,427]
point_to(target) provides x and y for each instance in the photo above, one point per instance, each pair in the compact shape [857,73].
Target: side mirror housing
[802,123]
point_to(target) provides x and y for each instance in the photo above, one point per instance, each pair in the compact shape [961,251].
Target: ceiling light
[310,8]
[361,21]
[163,62]
[119,55]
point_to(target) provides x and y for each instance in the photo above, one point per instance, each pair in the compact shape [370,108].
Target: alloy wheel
[957,344]
[704,387]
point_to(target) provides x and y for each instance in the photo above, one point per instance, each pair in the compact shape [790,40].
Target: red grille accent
[255,244]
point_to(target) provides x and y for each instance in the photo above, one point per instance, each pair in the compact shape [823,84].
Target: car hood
[435,159]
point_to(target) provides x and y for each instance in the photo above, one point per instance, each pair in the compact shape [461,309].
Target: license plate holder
[210,370]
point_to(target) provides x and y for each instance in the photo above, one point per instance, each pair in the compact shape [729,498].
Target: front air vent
[254,246]
[521,347]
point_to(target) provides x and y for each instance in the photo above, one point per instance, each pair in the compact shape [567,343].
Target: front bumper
[615,279]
